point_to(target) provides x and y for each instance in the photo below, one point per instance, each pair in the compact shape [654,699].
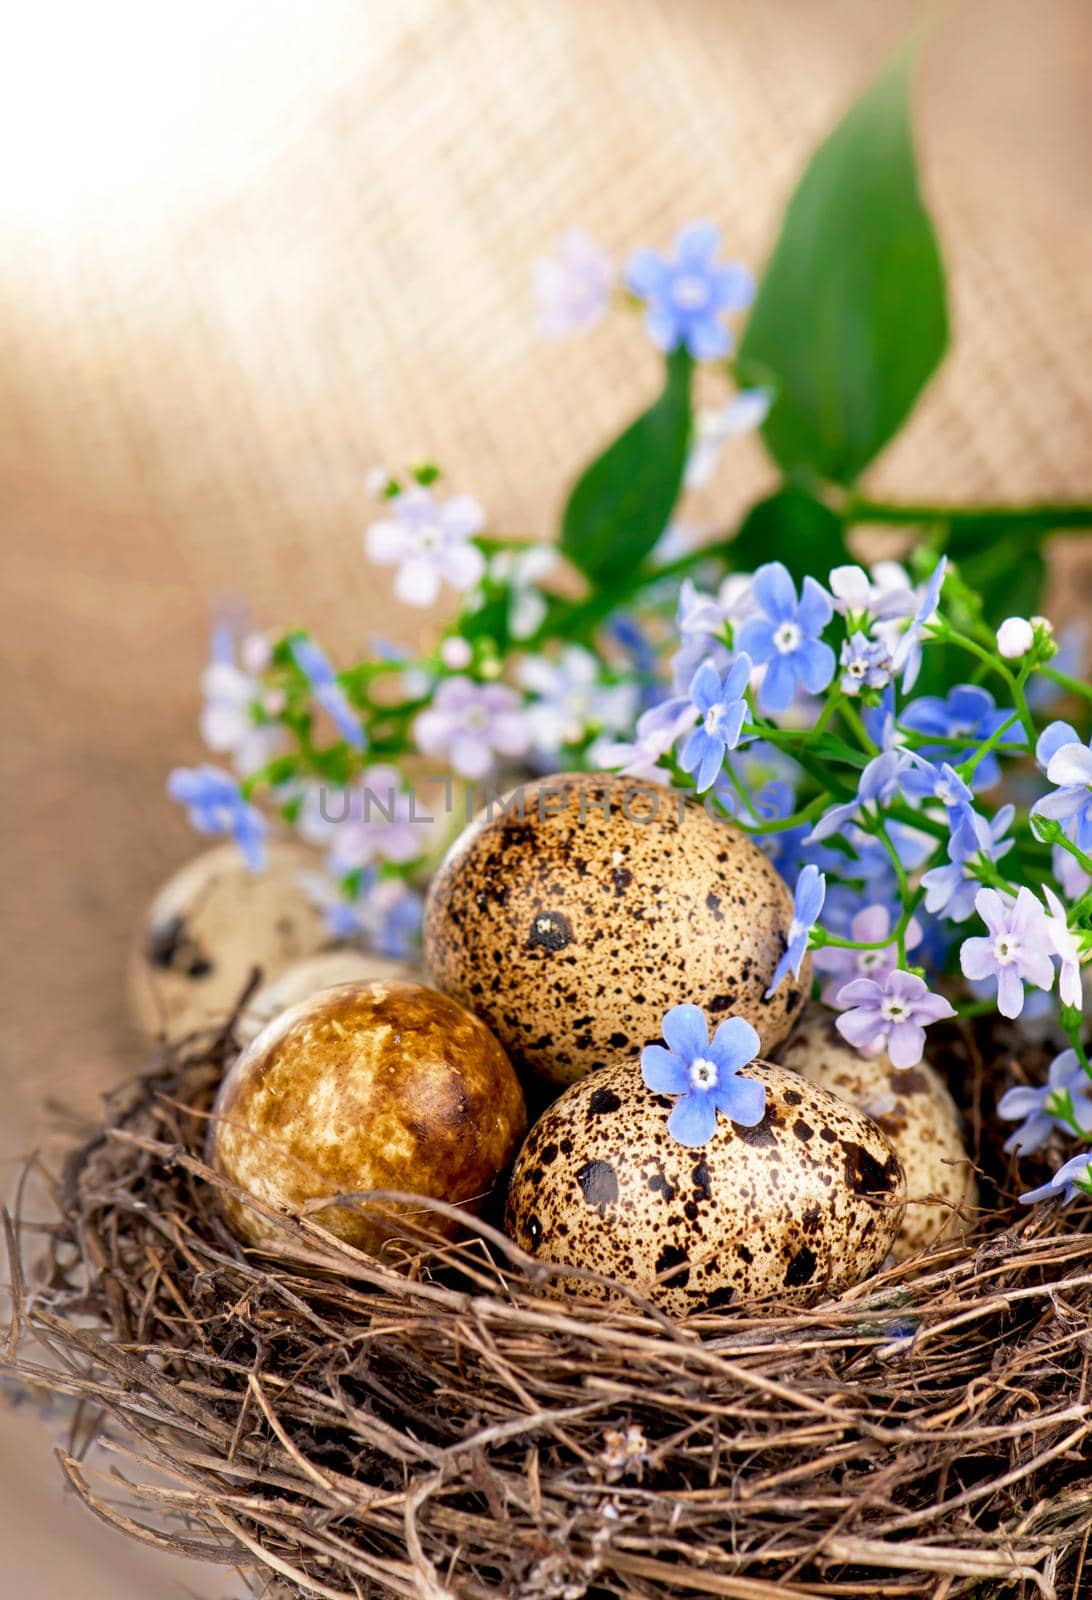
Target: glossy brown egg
[211,925]
[573,928]
[799,1207]
[365,1086]
[915,1110]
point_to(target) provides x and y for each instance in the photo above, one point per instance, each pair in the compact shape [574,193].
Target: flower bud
[456,654]
[1015,638]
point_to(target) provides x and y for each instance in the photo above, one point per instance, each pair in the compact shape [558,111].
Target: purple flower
[429,543]
[866,664]
[1068,764]
[704,1074]
[867,927]
[808,897]
[215,805]
[471,723]
[1016,951]
[890,1016]
[784,637]
[722,711]
[573,286]
[327,692]
[1068,1087]
[907,657]
[950,890]
[1069,1181]
[688,294]
[878,784]
[969,716]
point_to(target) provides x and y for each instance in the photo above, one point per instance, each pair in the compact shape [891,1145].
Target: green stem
[966,769]
[1072,684]
[853,717]
[1069,516]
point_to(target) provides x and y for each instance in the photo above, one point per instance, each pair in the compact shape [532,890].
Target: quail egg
[383,1085]
[915,1110]
[572,918]
[210,926]
[801,1206]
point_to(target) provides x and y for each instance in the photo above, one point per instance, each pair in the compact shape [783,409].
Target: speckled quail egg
[915,1110]
[210,926]
[305,978]
[801,1206]
[573,927]
[365,1086]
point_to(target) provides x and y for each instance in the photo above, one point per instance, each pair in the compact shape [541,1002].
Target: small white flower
[1015,638]
[429,542]
[456,654]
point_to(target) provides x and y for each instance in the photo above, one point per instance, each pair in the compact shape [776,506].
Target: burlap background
[330,268]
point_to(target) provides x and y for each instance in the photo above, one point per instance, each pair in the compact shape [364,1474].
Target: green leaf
[794,527]
[622,503]
[850,314]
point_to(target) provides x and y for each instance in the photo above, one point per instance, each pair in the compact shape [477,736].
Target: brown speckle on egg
[754,1213]
[382,1085]
[573,922]
[913,1108]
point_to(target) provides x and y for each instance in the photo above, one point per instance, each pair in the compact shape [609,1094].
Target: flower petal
[705,688]
[755,638]
[686,1031]
[1010,992]
[646,273]
[662,1071]
[864,1029]
[815,664]
[905,1044]
[774,591]
[815,607]
[693,1121]
[734,1044]
[1071,764]
[1052,739]
[417,582]
[697,243]
[706,339]
[743,1100]
[779,684]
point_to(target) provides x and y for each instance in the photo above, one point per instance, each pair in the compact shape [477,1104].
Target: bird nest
[450,1424]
